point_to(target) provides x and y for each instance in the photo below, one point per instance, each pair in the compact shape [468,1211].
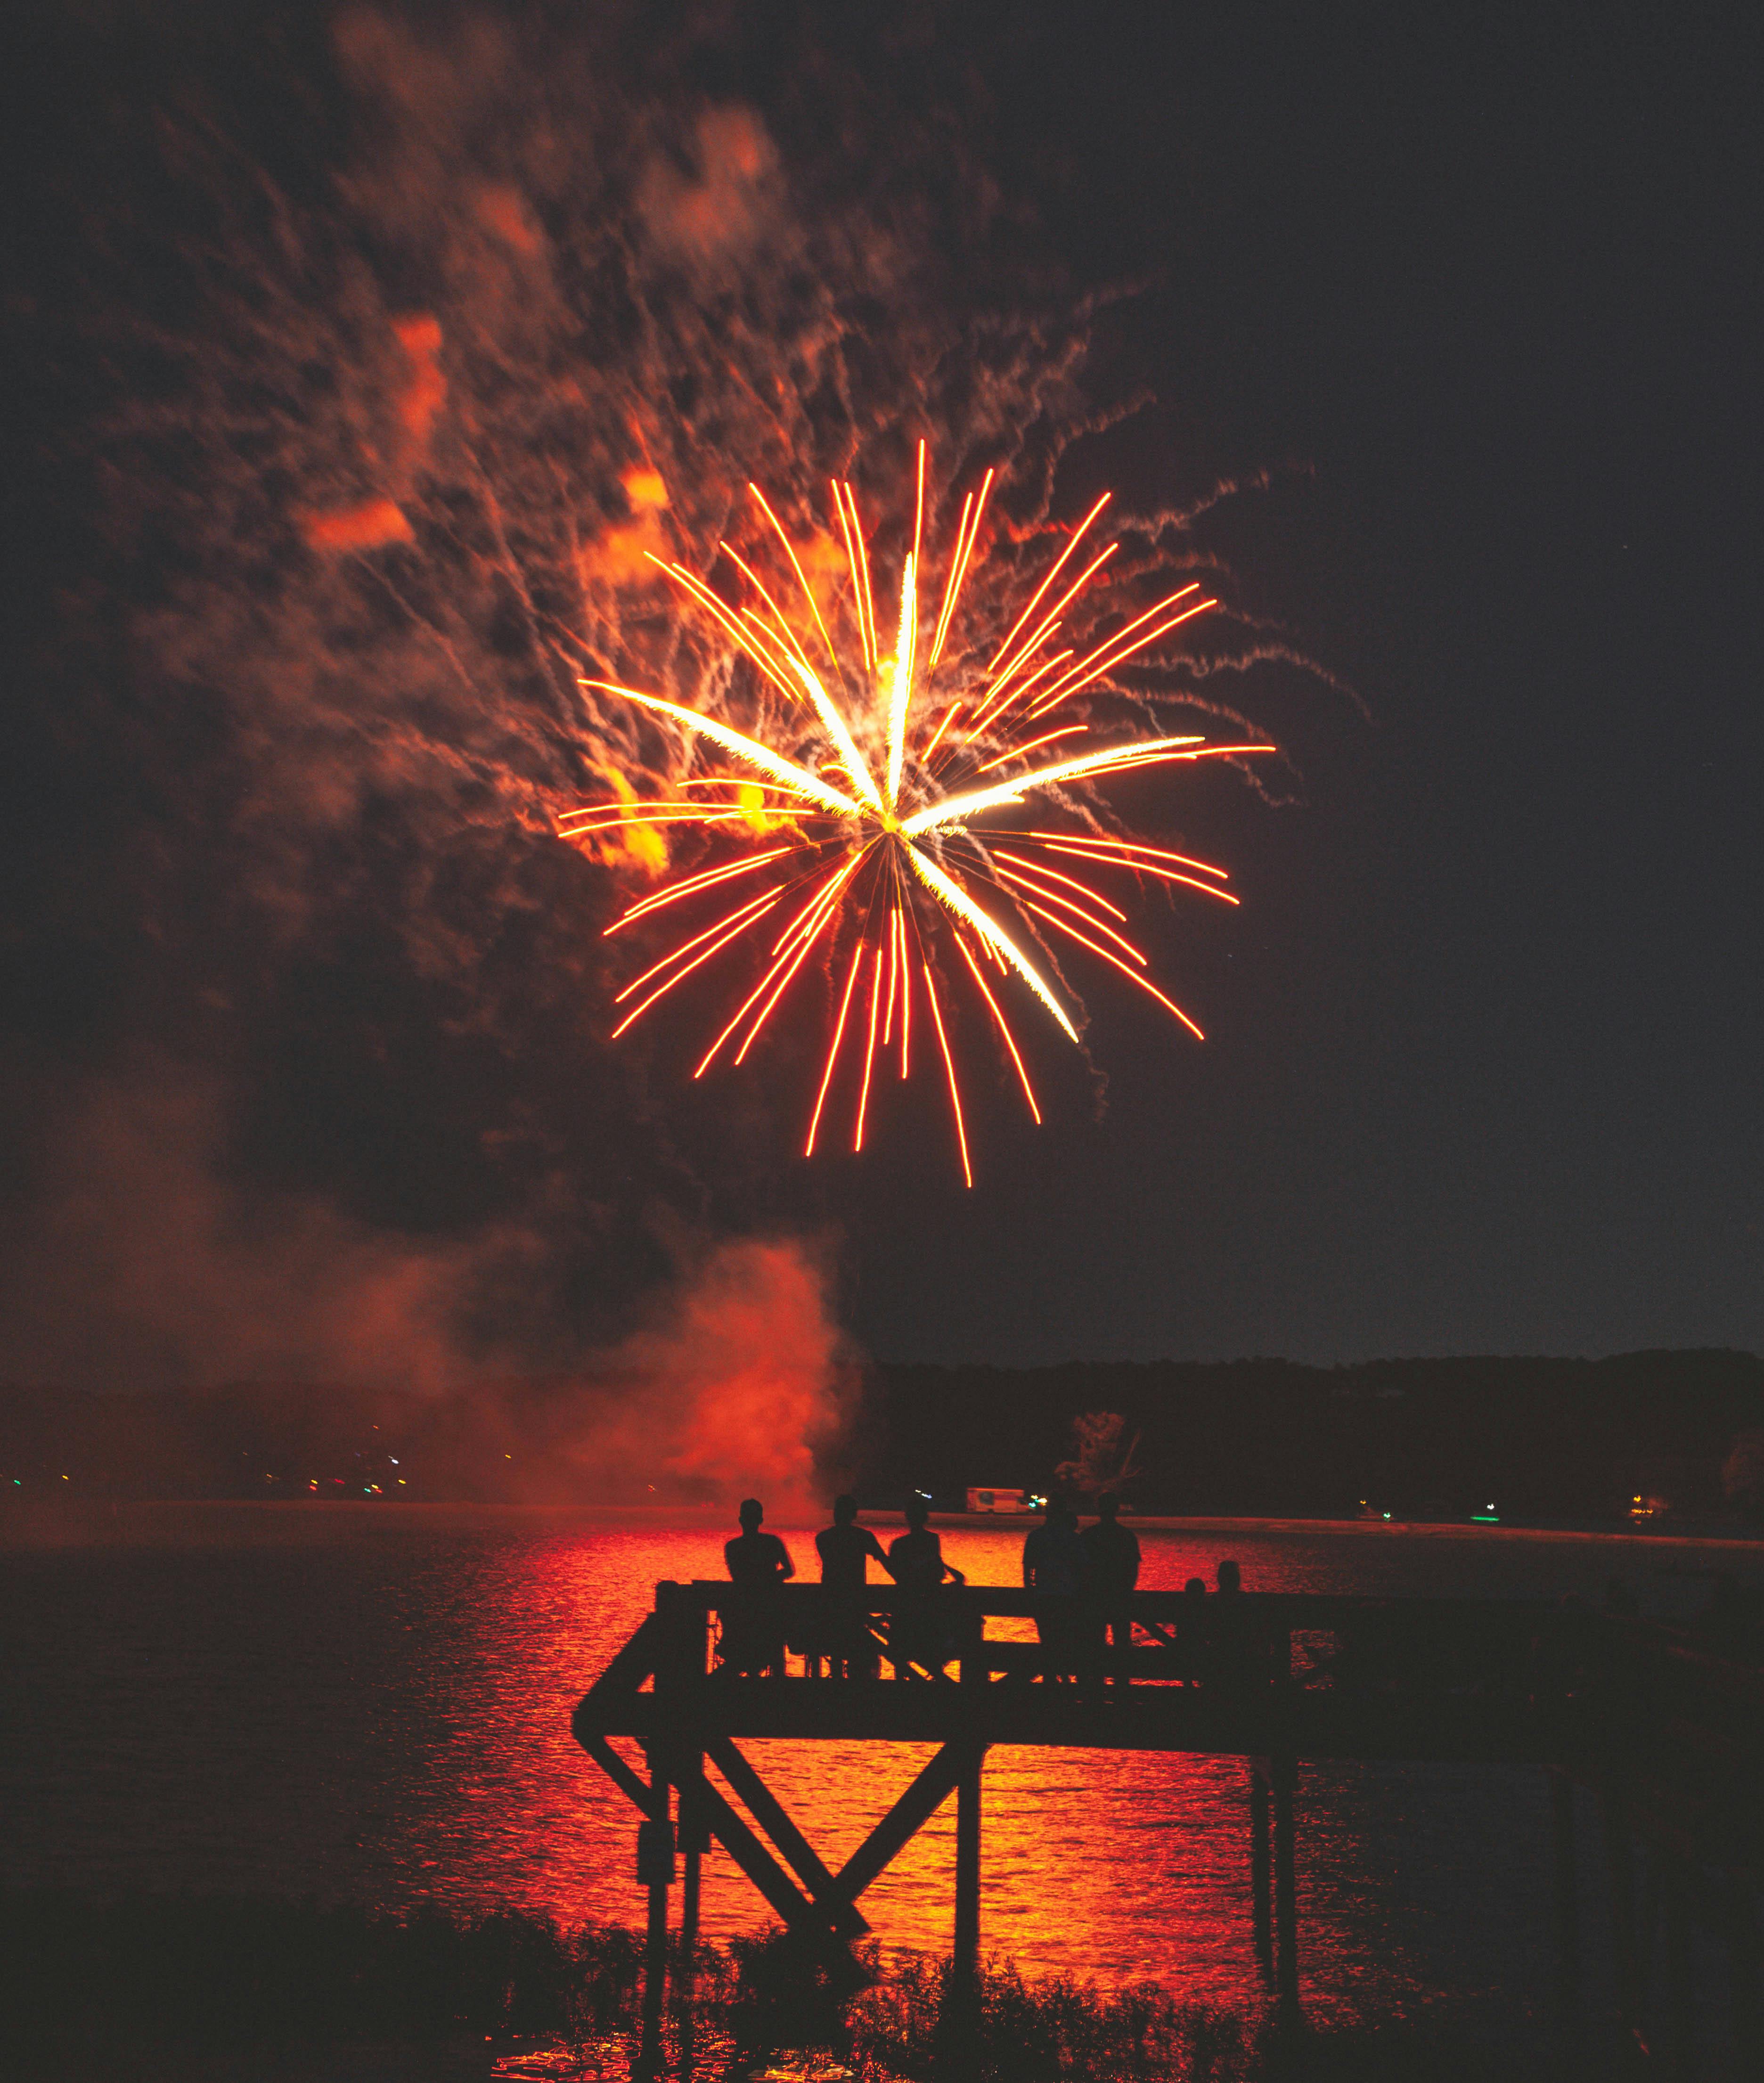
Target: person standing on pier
[753,1634]
[1113,1551]
[919,1634]
[846,1550]
[1232,1653]
[1056,1566]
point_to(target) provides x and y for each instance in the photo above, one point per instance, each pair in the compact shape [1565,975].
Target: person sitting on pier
[1114,1570]
[752,1633]
[919,1633]
[846,1549]
[1233,1657]
[1056,1566]
[1192,1631]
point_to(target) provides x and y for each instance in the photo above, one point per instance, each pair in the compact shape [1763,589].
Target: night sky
[1465,305]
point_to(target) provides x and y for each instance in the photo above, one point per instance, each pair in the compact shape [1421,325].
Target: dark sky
[1466,303]
[1484,1068]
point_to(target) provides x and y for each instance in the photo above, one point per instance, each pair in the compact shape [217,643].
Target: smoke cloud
[370,366]
[743,1383]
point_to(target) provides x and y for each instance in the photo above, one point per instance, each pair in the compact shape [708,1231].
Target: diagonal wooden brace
[796,1909]
[769,1813]
[635,1662]
[616,1769]
[833,1916]
[922,1800]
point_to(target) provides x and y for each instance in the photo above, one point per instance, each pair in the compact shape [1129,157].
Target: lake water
[372,1705]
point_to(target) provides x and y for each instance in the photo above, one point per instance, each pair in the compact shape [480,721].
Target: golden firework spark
[857,788]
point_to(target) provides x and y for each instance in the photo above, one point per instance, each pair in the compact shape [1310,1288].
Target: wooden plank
[926,1794]
[732,1831]
[1498,1619]
[1202,1719]
[616,1769]
[766,1810]
[966,1951]
[635,1662]
[649,2054]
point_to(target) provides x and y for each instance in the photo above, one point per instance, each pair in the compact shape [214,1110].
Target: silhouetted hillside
[1539,1437]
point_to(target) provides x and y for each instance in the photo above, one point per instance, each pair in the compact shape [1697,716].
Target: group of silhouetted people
[752,1639]
[1083,1582]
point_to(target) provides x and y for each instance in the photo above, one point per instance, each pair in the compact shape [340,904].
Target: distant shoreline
[1158,1523]
[108,1520]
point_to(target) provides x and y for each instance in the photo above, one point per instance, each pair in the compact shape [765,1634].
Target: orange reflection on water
[1128,1865]
[372,1706]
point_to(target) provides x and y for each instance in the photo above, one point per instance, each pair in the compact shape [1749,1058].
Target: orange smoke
[731,1392]
[640,846]
[366,525]
[503,211]
[726,207]
[369,524]
[621,556]
[420,338]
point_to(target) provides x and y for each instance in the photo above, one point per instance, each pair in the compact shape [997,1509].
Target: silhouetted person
[1192,1630]
[915,1561]
[1114,1555]
[1056,1566]
[846,1549]
[752,1635]
[1229,1661]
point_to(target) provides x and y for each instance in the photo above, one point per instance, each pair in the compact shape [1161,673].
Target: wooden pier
[1671,1738]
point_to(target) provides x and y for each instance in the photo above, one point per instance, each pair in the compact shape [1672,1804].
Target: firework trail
[897,834]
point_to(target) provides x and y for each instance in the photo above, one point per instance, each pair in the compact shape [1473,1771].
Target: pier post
[1261,1897]
[967,1941]
[1285,1777]
[655,1869]
[695,1842]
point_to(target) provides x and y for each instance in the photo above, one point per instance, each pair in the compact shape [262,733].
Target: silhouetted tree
[1742,1473]
[1103,1457]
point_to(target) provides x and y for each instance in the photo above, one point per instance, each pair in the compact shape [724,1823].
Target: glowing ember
[872,832]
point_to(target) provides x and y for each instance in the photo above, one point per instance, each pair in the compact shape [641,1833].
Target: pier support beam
[695,1842]
[655,1869]
[967,1944]
[766,1810]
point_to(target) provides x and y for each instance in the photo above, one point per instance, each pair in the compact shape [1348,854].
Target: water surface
[373,1705]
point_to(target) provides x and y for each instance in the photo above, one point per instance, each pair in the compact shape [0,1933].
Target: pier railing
[1329,1675]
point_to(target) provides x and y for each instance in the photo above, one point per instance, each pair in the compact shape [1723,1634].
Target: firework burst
[868,782]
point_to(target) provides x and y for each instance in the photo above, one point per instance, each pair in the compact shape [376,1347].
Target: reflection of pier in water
[1671,1739]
